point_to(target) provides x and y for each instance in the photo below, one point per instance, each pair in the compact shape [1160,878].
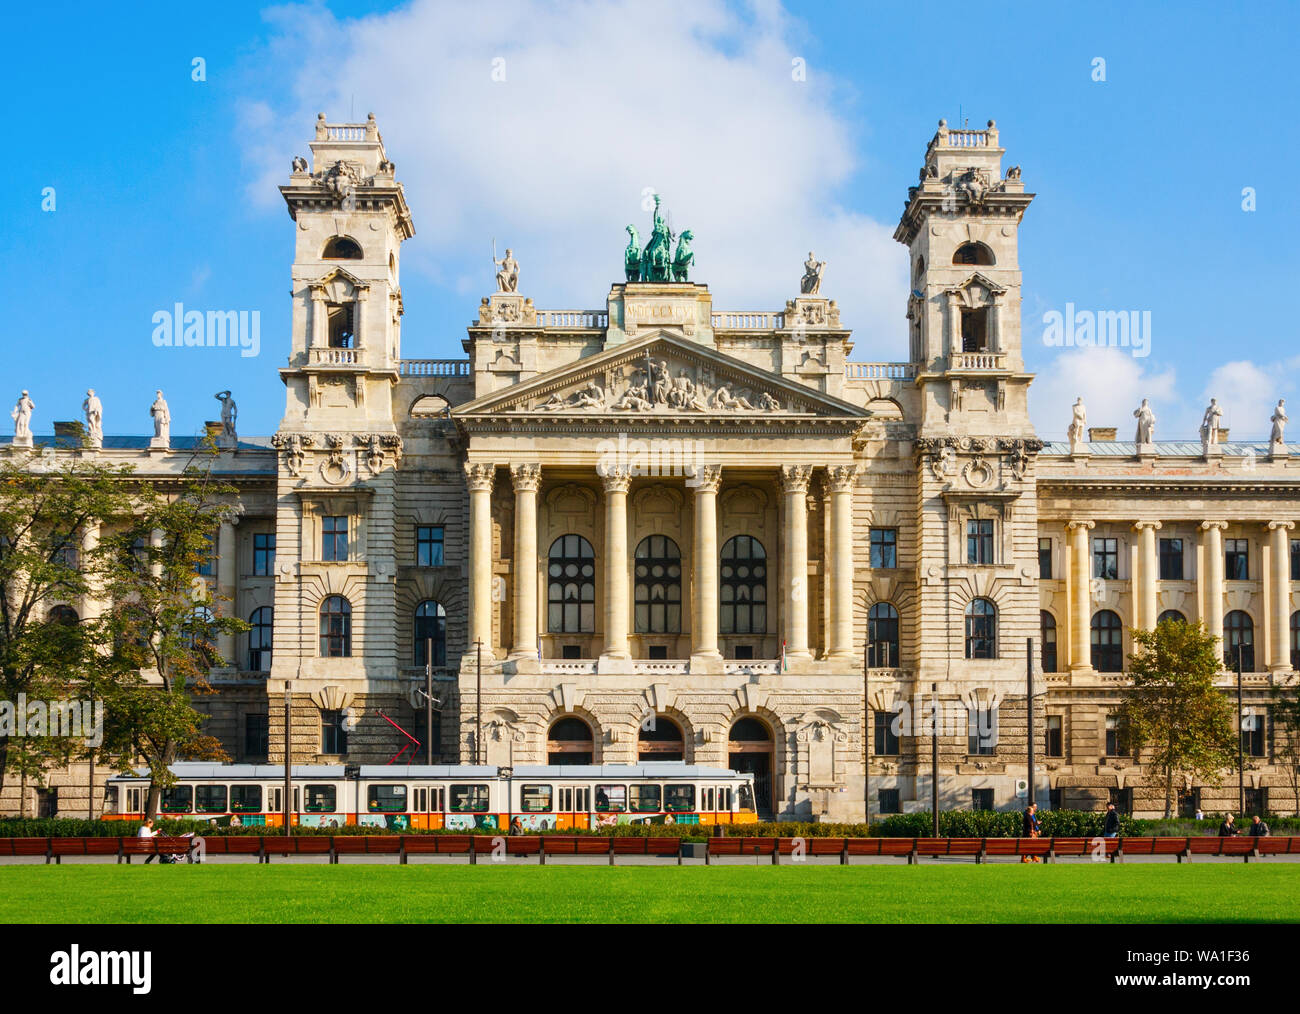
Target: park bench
[575,845]
[660,846]
[810,847]
[435,845]
[740,846]
[945,848]
[155,846]
[1243,846]
[1176,847]
[60,847]
[365,844]
[897,848]
[1084,848]
[1010,848]
[235,845]
[293,845]
[1278,846]
[25,847]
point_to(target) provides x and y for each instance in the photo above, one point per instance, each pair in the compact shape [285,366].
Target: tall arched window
[662,741]
[571,586]
[342,248]
[658,586]
[1107,642]
[1239,631]
[430,630]
[259,639]
[1047,630]
[981,629]
[65,615]
[973,253]
[742,586]
[882,636]
[336,627]
[1170,616]
[569,741]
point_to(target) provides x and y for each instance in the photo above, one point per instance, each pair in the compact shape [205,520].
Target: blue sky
[165,187]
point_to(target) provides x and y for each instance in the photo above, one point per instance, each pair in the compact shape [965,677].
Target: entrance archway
[752,752]
[663,741]
[569,741]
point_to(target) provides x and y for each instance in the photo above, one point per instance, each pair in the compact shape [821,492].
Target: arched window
[1238,631]
[341,248]
[336,627]
[973,253]
[882,636]
[571,586]
[1295,640]
[569,741]
[750,730]
[430,630]
[742,586]
[1170,616]
[981,629]
[662,741]
[1107,642]
[196,635]
[1047,630]
[658,586]
[65,615]
[259,639]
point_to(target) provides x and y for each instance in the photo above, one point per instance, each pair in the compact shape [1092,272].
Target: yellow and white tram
[462,797]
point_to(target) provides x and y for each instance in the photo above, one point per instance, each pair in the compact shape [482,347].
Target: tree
[1176,717]
[1286,733]
[164,622]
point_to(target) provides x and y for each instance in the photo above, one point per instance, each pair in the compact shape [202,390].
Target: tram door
[575,799]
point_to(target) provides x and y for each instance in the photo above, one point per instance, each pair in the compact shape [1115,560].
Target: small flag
[784,665]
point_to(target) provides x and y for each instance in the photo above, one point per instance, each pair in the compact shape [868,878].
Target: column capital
[841,478]
[1071,526]
[526,477]
[616,478]
[1155,526]
[794,478]
[479,475]
[705,478]
[1284,525]
[1206,526]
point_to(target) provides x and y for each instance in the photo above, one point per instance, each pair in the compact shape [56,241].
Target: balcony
[977,362]
[334,357]
[433,367]
[879,371]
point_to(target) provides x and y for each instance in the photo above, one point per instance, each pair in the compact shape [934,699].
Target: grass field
[486,893]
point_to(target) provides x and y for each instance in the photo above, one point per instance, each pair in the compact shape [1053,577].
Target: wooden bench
[804,847]
[365,845]
[25,847]
[1176,847]
[235,845]
[60,847]
[740,846]
[293,845]
[576,845]
[155,846]
[1085,847]
[896,848]
[1239,845]
[1270,846]
[1010,848]
[937,848]
[663,847]
[435,845]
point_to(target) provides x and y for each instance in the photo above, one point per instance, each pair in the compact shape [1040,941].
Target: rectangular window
[246,799]
[535,798]
[645,798]
[66,556]
[263,554]
[210,798]
[884,548]
[1295,559]
[981,732]
[887,801]
[177,799]
[979,542]
[1189,801]
[742,652]
[1045,559]
[611,798]
[428,546]
[333,737]
[658,651]
[469,798]
[1171,559]
[981,799]
[886,739]
[679,798]
[1105,558]
[570,651]
[1055,745]
[334,538]
[1236,566]
[386,798]
[1253,724]
[321,798]
[1123,800]
[257,735]
[1116,737]
[1256,802]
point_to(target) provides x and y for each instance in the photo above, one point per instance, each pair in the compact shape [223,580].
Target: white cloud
[1248,392]
[1112,384]
[599,102]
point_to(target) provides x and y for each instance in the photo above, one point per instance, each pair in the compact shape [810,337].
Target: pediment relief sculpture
[658,386]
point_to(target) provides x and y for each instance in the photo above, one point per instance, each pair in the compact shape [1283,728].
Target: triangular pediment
[660,374]
[338,280]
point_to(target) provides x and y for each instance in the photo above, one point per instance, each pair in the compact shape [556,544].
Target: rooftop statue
[657,263]
[632,255]
[1146,427]
[811,283]
[508,276]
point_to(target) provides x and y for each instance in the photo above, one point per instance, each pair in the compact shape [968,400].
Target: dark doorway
[751,753]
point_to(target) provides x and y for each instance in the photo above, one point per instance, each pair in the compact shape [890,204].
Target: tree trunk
[155,790]
[4,760]
[1169,792]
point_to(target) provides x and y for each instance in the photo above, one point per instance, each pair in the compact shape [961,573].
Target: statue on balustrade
[1279,421]
[1078,426]
[1210,423]
[1146,427]
[811,283]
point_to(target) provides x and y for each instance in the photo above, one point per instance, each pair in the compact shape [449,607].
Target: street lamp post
[508,773]
[1241,752]
[934,758]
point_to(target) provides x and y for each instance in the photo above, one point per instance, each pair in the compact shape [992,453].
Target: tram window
[679,798]
[135,800]
[707,800]
[645,798]
[320,798]
[611,798]
[210,798]
[437,800]
[421,801]
[276,802]
[469,798]
[724,799]
[535,798]
[746,797]
[177,799]
[246,799]
[575,800]
[386,798]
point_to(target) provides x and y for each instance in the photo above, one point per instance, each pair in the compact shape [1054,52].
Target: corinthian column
[525,478]
[794,551]
[478,476]
[840,480]
[617,605]
[1280,607]
[1211,576]
[704,605]
[1080,595]
[1145,590]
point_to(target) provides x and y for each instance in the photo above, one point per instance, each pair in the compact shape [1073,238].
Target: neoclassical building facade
[663,530]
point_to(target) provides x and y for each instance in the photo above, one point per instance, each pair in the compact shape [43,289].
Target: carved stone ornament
[660,387]
[292,445]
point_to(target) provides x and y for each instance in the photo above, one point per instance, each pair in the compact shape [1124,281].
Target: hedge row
[952,824]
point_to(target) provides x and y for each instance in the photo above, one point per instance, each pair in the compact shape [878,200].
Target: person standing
[1110,829]
[1030,828]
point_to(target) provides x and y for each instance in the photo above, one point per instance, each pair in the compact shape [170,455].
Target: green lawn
[487,893]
